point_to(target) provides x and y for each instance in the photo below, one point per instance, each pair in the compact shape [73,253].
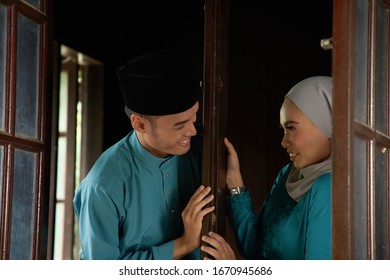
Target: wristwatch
[237,190]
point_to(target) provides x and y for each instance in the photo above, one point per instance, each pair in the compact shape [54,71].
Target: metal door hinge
[327,44]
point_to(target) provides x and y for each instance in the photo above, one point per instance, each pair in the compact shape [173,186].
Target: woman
[295,219]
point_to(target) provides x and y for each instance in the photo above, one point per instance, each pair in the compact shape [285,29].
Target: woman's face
[304,142]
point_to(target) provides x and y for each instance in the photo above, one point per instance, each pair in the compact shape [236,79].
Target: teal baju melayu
[129,205]
[284,228]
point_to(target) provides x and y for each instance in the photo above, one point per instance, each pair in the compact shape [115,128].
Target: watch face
[237,190]
[234,191]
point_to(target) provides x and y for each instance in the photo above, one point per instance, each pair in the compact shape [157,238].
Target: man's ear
[137,122]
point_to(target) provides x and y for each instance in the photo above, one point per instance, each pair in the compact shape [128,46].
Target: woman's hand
[233,174]
[218,248]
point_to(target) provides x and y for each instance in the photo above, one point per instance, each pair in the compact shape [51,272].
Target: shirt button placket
[169,193]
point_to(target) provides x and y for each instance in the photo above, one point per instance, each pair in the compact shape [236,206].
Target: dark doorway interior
[273,45]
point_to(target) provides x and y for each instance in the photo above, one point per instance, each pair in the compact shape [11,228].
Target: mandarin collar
[144,155]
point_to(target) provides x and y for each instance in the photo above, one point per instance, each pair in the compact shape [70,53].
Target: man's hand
[218,248]
[192,217]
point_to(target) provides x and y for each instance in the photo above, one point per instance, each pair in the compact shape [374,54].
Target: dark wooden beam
[215,97]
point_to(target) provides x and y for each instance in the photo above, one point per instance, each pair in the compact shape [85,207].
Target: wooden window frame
[346,127]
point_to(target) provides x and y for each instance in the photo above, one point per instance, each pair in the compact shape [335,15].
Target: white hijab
[313,96]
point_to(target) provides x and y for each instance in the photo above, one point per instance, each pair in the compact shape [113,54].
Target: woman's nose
[285,141]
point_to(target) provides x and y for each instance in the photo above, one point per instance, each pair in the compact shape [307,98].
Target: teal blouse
[284,229]
[129,205]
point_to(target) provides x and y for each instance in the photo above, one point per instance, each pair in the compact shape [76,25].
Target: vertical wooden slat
[43,249]
[343,88]
[215,86]
[9,81]
[72,68]
[56,66]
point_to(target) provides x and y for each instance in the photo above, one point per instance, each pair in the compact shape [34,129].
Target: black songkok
[158,83]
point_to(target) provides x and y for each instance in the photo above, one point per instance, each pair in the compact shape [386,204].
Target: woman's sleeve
[245,224]
[319,230]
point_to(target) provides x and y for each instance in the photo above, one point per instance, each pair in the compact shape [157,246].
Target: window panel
[61,168]
[361,58]
[360,198]
[381,72]
[362,76]
[27,78]
[3,65]
[63,103]
[24,62]
[59,231]
[23,194]
[34,3]
[381,203]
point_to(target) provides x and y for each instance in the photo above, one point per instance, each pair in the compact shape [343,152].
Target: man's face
[170,134]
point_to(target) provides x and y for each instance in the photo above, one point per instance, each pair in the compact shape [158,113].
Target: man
[141,199]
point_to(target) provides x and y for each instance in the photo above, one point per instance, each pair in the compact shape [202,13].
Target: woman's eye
[290,128]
